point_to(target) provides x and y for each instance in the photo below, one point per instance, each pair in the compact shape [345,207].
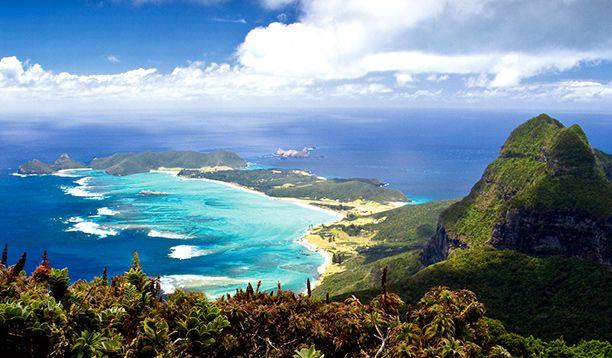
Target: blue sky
[207,54]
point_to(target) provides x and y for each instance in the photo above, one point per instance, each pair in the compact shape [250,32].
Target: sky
[212,54]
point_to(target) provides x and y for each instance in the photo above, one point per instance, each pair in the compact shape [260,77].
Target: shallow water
[202,235]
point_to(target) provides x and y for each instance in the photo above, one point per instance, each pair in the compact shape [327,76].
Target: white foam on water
[89,228]
[65,174]
[168,235]
[185,252]
[104,211]
[81,192]
[83,181]
[27,175]
[170,283]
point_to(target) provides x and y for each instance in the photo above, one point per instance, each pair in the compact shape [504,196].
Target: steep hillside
[545,297]
[546,194]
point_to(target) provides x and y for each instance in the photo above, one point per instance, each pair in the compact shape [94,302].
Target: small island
[293,153]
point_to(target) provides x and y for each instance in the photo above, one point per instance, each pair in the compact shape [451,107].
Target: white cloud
[349,39]
[403,79]
[358,89]
[557,92]
[437,78]
[420,94]
[232,21]
[113,59]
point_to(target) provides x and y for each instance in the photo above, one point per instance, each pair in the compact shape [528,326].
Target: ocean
[212,237]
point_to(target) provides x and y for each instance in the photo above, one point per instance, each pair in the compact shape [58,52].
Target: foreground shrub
[43,315]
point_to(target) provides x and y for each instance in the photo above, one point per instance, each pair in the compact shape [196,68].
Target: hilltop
[547,193]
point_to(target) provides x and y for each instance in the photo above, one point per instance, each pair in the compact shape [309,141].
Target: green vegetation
[37,167]
[133,163]
[398,240]
[546,297]
[605,160]
[412,224]
[341,190]
[298,184]
[543,166]
[42,315]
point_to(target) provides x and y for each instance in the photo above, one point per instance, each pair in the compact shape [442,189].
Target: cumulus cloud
[413,48]
[348,39]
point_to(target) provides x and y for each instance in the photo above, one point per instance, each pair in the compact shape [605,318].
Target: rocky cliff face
[548,193]
[570,234]
[438,247]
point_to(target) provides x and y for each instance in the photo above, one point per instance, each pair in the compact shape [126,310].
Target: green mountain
[38,167]
[532,239]
[133,163]
[547,193]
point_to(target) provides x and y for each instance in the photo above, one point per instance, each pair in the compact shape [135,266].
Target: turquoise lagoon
[195,234]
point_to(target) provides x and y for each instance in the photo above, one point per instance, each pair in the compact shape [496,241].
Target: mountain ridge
[547,193]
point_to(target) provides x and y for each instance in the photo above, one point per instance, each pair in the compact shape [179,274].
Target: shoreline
[302,240]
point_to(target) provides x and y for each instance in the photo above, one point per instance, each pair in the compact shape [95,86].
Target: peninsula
[351,195]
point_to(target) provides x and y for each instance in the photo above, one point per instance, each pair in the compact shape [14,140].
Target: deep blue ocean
[211,237]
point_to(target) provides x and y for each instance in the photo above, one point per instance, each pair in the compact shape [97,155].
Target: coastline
[302,240]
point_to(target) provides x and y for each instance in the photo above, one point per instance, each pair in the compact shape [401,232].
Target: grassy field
[392,238]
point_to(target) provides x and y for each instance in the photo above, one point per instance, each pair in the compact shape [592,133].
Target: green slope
[543,166]
[546,297]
